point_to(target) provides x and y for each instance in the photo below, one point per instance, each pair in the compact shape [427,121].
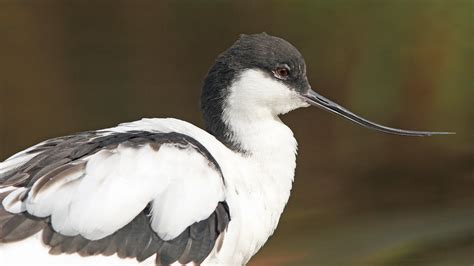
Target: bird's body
[165,187]
[255,206]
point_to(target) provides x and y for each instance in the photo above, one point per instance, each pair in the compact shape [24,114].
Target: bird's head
[260,75]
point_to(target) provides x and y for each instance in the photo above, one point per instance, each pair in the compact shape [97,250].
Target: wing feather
[93,189]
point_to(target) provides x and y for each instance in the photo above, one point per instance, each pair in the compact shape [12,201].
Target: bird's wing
[135,193]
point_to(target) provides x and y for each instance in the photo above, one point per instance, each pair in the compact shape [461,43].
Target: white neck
[268,164]
[251,114]
[271,152]
[251,111]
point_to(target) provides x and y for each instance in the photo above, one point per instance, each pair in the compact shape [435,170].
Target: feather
[121,193]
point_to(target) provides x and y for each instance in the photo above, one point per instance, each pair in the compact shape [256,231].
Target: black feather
[73,244]
[16,227]
[56,153]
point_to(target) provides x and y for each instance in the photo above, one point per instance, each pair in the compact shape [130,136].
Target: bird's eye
[282,72]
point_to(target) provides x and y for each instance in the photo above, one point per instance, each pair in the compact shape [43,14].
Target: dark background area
[359,197]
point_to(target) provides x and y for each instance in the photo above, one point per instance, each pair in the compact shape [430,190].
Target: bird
[161,191]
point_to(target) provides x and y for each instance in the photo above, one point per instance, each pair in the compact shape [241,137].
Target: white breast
[257,185]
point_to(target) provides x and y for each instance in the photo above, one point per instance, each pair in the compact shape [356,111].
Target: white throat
[251,113]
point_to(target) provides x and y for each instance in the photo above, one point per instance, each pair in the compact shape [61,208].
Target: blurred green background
[359,197]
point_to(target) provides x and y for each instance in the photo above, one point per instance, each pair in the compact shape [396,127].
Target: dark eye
[282,72]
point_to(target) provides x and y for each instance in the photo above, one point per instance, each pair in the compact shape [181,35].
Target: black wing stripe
[47,235]
[55,153]
[136,240]
[200,233]
[171,250]
[94,247]
[151,248]
[17,228]
[185,258]
[72,244]
[121,238]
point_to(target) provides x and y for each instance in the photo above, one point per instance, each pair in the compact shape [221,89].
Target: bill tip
[441,133]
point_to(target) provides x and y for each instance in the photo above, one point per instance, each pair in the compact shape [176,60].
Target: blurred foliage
[360,197]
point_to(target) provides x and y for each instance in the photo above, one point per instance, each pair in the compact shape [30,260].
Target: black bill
[315,99]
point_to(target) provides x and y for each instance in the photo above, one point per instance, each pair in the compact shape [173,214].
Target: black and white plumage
[163,191]
[43,198]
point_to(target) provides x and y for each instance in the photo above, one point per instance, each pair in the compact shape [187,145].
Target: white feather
[198,186]
[116,185]
[12,203]
[53,197]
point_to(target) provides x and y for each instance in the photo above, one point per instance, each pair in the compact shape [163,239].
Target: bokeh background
[359,197]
